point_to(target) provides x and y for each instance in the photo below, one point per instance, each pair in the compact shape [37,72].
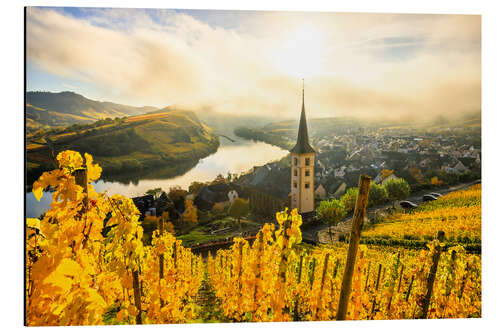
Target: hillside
[130,145]
[47,109]
[458,214]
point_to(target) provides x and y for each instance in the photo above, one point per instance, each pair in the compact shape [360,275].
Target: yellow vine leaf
[33,223]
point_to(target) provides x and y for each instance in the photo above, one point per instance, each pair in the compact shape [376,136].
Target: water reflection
[234,158]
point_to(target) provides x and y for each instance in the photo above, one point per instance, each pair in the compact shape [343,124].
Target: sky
[253,62]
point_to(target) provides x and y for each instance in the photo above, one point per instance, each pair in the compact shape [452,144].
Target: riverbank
[234,158]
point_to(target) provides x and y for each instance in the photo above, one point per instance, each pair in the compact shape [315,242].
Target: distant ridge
[49,109]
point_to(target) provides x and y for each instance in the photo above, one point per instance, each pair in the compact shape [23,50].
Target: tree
[331,213]
[217,208]
[349,199]
[190,213]
[178,196]
[385,173]
[397,189]
[416,173]
[435,181]
[219,180]
[195,187]
[239,209]
[378,194]
[155,192]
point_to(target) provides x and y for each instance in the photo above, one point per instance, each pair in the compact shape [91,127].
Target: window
[308,160]
[307,185]
[295,172]
[307,173]
[295,161]
[295,184]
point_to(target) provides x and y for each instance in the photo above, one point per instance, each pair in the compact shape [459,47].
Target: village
[425,160]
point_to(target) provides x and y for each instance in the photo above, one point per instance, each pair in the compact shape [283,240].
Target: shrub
[331,211]
[397,189]
[239,209]
[378,194]
[217,208]
[349,199]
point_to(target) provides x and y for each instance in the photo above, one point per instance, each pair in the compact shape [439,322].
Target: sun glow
[302,53]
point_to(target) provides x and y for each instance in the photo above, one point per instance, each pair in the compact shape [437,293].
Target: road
[319,232]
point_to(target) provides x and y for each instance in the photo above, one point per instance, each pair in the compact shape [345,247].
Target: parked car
[437,195]
[407,204]
[428,197]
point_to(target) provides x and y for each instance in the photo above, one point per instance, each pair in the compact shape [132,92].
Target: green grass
[201,234]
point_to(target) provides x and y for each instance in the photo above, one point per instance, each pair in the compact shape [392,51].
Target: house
[425,163]
[221,193]
[340,172]
[460,167]
[211,194]
[320,192]
[144,204]
[232,195]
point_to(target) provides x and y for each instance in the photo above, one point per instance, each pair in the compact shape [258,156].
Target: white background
[12,156]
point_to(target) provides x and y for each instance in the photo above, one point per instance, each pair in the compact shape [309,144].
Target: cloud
[355,64]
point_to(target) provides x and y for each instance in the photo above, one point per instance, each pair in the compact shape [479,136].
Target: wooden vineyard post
[296,307]
[160,229]
[161,258]
[378,276]
[137,296]
[82,180]
[400,277]
[367,276]
[432,275]
[323,278]
[409,288]
[357,224]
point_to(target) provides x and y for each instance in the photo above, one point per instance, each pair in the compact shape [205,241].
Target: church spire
[302,146]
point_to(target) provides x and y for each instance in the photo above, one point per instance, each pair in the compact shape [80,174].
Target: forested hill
[48,109]
[133,144]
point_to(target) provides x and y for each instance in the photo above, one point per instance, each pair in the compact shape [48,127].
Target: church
[302,169]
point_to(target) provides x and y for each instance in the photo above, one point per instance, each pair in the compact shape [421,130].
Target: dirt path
[210,307]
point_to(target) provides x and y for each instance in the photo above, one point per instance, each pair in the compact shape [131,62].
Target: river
[235,158]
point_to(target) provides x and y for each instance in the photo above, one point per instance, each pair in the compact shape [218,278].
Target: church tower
[302,184]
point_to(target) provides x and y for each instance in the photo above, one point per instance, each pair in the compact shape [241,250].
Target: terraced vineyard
[458,214]
[78,274]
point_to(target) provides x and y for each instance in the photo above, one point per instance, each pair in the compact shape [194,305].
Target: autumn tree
[239,209]
[385,173]
[190,213]
[436,181]
[217,208]
[416,173]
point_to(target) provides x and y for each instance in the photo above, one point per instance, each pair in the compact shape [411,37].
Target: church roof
[302,146]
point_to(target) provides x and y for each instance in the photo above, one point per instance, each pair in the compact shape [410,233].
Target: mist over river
[230,157]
